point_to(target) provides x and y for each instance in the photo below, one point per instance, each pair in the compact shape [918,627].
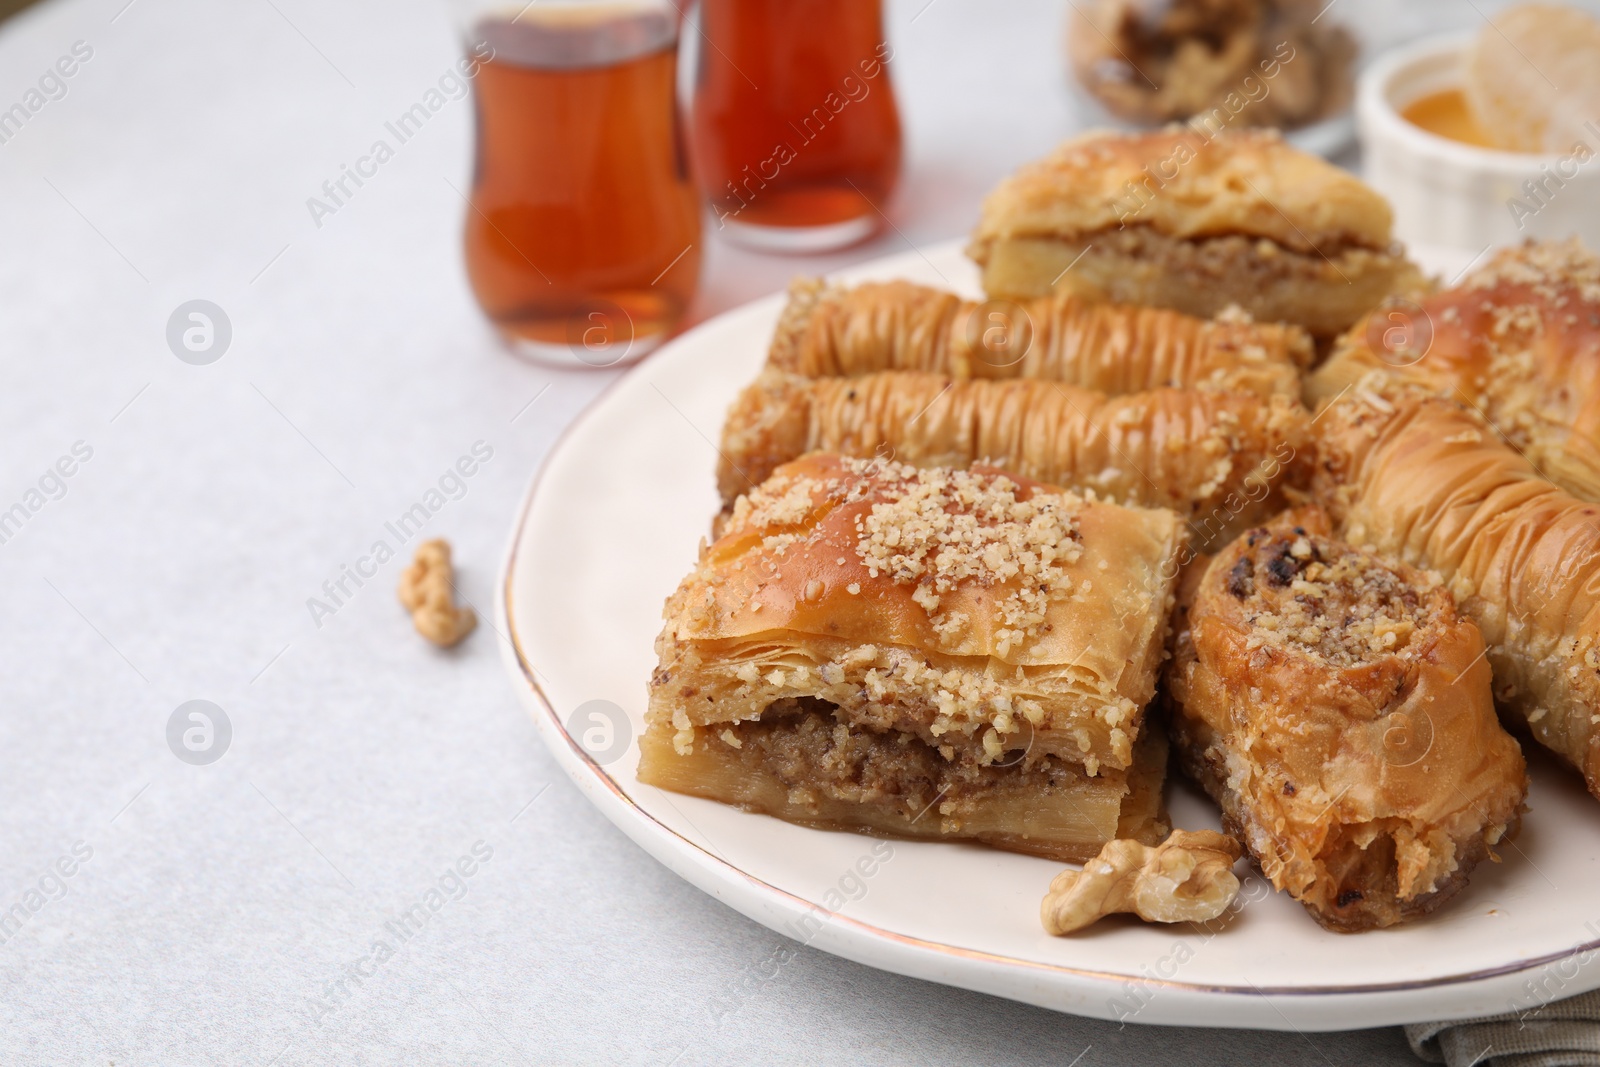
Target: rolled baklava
[1181,219]
[837,331]
[1216,458]
[950,654]
[1518,339]
[1340,711]
[1428,481]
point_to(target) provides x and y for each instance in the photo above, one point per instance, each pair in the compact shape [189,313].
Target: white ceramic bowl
[1445,192]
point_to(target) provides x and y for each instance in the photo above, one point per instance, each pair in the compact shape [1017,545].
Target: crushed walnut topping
[940,528]
[1550,268]
[778,544]
[1343,604]
[1233,314]
[780,502]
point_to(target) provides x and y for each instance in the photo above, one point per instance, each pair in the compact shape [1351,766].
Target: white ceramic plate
[610,526]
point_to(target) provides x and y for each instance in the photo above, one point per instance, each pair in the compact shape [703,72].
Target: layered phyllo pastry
[1340,711]
[1518,339]
[1183,219]
[955,654]
[1217,458]
[842,331]
[1430,482]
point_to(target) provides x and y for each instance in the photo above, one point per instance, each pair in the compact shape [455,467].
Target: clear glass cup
[583,231]
[796,129]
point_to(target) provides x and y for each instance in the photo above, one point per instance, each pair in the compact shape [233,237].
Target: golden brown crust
[925,653]
[1193,221]
[1186,184]
[1518,339]
[883,326]
[1216,458]
[1427,481]
[1341,712]
[976,611]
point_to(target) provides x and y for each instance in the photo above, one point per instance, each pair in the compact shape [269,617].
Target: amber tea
[582,239]
[796,131]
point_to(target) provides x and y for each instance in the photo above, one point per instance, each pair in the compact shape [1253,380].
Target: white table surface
[222,904]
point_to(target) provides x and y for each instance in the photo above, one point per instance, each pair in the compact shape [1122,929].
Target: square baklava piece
[927,653]
[1194,221]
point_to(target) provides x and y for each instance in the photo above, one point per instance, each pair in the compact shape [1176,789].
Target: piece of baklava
[837,331]
[952,654]
[1425,480]
[1218,459]
[1213,62]
[1185,220]
[1340,711]
[1153,63]
[1518,339]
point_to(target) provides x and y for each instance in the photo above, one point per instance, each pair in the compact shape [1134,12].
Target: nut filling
[1311,593]
[814,750]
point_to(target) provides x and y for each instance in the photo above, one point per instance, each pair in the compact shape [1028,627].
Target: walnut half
[427,592]
[1186,878]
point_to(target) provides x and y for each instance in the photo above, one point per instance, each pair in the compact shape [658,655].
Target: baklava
[1340,711]
[1219,459]
[838,331]
[1212,62]
[946,653]
[1518,339]
[1425,480]
[1181,219]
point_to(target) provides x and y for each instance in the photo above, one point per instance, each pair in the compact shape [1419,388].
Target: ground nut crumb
[941,528]
[1342,603]
[427,589]
[1546,267]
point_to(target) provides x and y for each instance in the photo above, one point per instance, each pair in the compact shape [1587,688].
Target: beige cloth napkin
[1562,1033]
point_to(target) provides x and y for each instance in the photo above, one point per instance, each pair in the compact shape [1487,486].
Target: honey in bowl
[1446,114]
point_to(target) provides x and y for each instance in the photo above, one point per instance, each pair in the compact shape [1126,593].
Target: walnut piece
[428,592]
[1186,878]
